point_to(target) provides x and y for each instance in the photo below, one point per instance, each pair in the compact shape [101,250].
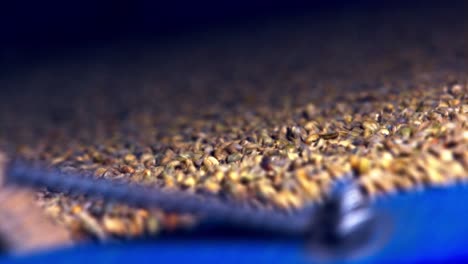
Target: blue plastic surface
[422,227]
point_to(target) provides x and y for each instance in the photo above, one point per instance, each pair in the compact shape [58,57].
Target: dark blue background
[31,28]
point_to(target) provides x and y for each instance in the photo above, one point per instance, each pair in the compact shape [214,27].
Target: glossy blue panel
[423,227]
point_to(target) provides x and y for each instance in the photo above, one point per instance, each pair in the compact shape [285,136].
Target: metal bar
[208,208]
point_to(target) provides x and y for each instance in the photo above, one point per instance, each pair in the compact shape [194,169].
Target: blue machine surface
[421,227]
